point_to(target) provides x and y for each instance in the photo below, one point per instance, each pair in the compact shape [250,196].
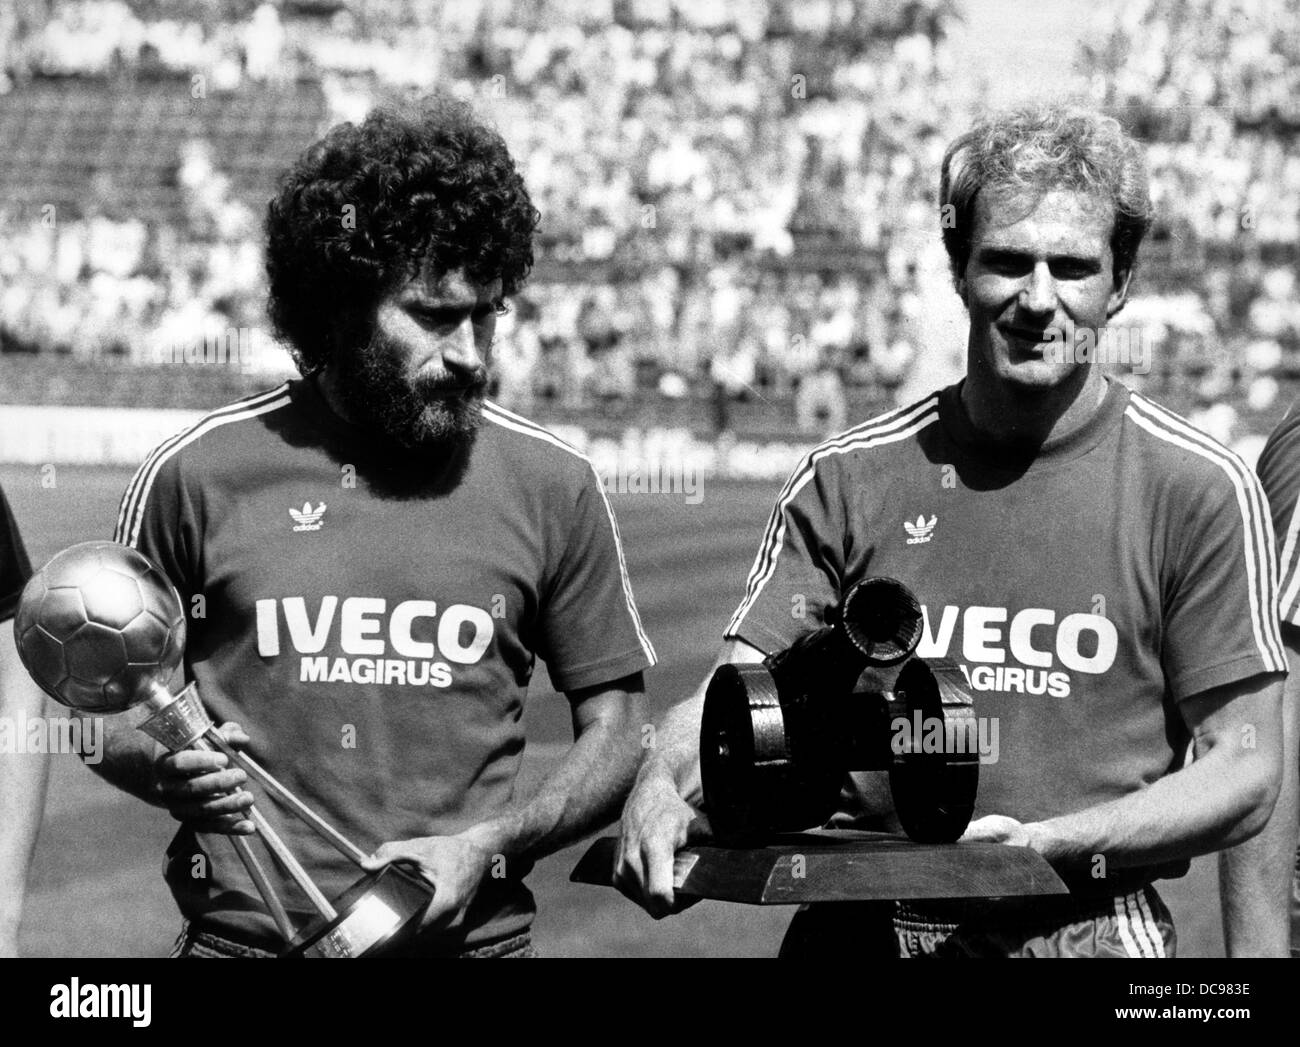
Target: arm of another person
[1221,799]
[1255,878]
[23,778]
[581,794]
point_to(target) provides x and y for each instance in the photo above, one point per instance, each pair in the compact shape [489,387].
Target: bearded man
[374,557]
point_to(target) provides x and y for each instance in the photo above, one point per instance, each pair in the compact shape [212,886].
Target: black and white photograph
[650,479]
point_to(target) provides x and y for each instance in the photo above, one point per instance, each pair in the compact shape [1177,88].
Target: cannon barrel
[878,623]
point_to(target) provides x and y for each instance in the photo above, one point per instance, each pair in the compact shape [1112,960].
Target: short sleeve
[156,517]
[15,568]
[1279,473]
[589,629]
[1221,615]
[799,568]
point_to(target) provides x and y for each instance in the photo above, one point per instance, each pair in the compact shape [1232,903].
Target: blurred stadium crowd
[732,191]
[1212,87]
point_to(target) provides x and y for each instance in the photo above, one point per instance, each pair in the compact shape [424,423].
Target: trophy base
[378,911]
[842,866]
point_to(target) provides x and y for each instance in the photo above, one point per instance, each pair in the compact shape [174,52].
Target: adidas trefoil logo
[308,519]
[920,531]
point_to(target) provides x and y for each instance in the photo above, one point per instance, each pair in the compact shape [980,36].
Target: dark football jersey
[1084,591]
[1279,471]
[14,567]
[373,619]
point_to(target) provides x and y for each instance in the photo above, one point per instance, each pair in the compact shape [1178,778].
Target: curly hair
[365,206]
[1037,149]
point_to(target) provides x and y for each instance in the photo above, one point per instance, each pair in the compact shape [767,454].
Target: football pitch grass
[96,883]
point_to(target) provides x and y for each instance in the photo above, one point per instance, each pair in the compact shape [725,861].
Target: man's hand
[453,864]
[998,828]
[656,822]
[201,787]
[658,817]
[579,795]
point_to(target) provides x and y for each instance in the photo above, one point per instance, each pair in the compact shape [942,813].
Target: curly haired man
[382,555]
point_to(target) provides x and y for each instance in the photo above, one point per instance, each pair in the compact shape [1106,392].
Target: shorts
[193,943]
[1132,925]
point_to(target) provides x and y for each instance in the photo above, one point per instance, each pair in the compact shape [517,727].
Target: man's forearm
[676,748]
[128,758]
[676,744]
[1221,799]
[1197,810]
[584,792]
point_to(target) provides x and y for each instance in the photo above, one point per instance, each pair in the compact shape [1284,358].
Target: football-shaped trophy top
[99,627]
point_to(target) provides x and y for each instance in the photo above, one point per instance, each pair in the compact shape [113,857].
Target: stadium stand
[732,191]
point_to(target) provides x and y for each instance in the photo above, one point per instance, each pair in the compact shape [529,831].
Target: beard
[420,412]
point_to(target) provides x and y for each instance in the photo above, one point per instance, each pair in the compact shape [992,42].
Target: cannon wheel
[934,792]
[759,775]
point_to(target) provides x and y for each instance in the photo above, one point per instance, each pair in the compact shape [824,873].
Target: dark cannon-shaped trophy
[778,740]
[102,630]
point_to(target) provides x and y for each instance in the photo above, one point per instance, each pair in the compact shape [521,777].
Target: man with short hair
[373,557]
[23,775]
[1100,569]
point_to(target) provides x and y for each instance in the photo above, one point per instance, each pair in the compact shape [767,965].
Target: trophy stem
[323,828]
[180,722]
[281,853]
[263,884]
[290,864]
